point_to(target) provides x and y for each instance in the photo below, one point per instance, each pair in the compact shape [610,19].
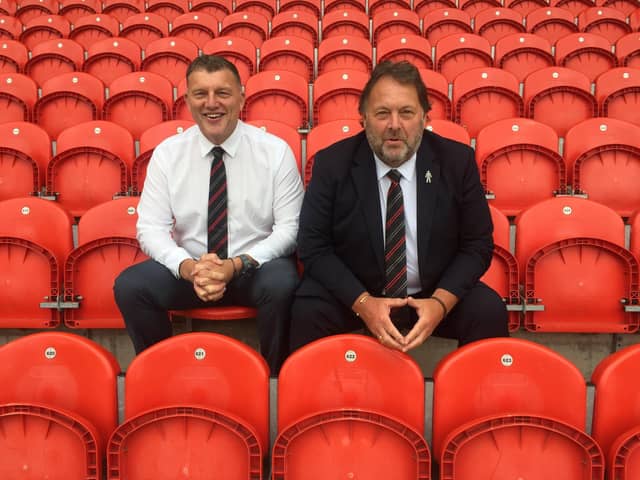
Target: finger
[211,257]
[395,334]
[416,336]
[388,341]
[396,302]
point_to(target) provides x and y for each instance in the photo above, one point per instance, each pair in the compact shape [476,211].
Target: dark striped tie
[395,245]
[217,218]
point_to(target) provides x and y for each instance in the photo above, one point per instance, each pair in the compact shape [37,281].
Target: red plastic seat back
[202,369]
[350,372]
[504,376]
[617,397]
[62,371]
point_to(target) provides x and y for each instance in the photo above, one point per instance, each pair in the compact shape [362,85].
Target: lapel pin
[427,176]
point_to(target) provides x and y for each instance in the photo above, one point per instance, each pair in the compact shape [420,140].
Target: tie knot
[394,175]
[217,153]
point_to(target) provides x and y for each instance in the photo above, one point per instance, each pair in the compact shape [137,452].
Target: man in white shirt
[252,262]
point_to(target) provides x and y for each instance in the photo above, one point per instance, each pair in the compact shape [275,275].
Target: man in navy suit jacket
[341,240]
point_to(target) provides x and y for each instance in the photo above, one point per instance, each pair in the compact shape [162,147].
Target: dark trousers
[145,292]
[480,314]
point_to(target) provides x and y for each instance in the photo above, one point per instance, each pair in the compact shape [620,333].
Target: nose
[393,121]
[211,99]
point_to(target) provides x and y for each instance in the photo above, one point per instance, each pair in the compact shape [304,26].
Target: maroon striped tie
[395,244]
[217,217]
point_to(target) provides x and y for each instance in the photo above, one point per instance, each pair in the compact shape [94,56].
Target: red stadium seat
[396,21]
[336,95]
[460,52]
[279,96]
[357,378]
[519,163]
[628,50]
[484,95]
[375,6]
[423,7]
[496,23]
[559,97]
[524,7]
[551,23]
[615,418]
[585,52]
[634,222]
[35,237]
[603,161]
[331,6]
[10,27]
[144,28]
[412,48]
[266,8]
[169,57]
[503,274]
[92,165]
[473,7]
[618,96]
[24,154]
[18,95]
[582,242]
[148,141]
[344,53]
[90,29]
[290,53]
[295,23]
[606,22]
[62,398]
[13,56]
[122,9]
[438,94]
[323,135]
[169,9]
[216,8]
[198,27]
[106,246]
[139,100]
[187,398]
[311,7]
[505,377]
[180,109]
[30,9]
[43,28]
[625,6]
[239,51]
[442,22]
[449,129]
[573,6]
[522,54]
[285,132]
[251,26]
[72,10]
[54,57]
[340,23]
[112,58]
[634,20]
[67,100]
[7,7]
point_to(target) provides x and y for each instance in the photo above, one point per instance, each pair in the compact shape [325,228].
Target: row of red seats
[49,280]
[519,159]
[198,405]
[492,23]
[557,96]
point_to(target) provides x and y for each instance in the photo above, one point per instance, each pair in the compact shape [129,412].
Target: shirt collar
[407,169]
[230,145]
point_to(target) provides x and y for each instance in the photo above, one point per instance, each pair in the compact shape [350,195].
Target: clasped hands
[375,312]
[209,275]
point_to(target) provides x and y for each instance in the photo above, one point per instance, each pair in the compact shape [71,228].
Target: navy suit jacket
[340,241]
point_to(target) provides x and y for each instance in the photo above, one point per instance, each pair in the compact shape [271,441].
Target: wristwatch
[249,265]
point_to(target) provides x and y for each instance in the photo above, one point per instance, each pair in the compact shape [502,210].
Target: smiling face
[215,100]
[394,121]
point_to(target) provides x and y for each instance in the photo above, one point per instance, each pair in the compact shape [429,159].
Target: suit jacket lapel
[366,183]
[428,182]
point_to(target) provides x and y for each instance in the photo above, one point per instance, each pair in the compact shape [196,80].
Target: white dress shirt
[264,196]
[408,185]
